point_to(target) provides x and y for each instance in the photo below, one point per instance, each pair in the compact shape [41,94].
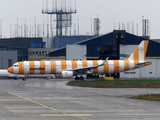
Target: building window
[42,52]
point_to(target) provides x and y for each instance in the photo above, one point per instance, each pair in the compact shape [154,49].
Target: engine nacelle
[67,74]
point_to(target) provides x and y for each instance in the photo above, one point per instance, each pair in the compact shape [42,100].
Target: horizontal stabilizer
[142,63]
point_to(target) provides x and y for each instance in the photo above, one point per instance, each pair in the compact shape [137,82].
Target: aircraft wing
[87,69]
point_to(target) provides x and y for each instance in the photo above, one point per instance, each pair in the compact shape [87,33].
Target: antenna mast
[63,10]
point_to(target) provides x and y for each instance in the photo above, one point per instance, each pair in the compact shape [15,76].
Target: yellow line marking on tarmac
[63,114]
[74,115]
[37,103]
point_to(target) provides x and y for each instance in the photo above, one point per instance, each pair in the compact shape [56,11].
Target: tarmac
[41,99]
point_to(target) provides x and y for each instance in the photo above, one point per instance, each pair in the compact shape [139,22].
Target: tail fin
[140,52]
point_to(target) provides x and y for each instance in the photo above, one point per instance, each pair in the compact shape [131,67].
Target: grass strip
[153,97]
[145,83]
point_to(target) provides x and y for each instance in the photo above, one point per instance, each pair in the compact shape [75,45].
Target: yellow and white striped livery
[67,69]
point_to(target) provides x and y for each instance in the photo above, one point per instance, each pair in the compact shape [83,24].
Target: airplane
[5,74]
[68,68]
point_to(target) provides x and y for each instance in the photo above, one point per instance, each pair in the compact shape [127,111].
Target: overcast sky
[110,13]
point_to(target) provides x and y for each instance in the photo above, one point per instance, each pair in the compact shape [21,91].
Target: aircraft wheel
[81,78]
[76,78]
[24,79]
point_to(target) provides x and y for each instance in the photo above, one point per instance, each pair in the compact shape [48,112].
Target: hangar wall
[126,50]
[151,71]
[74,52]
[62,41]
[48,41]
[7,59]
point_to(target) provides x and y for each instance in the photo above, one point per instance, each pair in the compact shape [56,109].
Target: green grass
[149,83]
[153,97]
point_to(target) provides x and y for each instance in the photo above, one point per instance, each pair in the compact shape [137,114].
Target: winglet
[104,62]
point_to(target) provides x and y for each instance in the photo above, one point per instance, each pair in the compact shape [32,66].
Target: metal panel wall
[130,74]
[48,41]
[126,50]
[76,52]
[7,58]
[149,71]
[62,41]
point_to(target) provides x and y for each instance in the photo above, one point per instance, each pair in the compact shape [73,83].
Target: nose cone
[10,70]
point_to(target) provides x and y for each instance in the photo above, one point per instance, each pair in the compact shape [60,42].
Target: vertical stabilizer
[140,52]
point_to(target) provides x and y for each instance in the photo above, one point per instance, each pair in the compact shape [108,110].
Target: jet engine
[67,74]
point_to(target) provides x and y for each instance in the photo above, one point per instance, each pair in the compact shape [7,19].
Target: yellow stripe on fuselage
[126,65]
[52,67]
[43,66]
[95,63]
[116,66]
[32,67]
[21,68]
[136,54]
[74,64]
[84,64]
[63,65]
[106,68]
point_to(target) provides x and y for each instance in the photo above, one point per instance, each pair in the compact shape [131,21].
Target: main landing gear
[24,79]
[79,78]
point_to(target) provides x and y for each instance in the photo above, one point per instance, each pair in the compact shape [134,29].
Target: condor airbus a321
[68,69]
